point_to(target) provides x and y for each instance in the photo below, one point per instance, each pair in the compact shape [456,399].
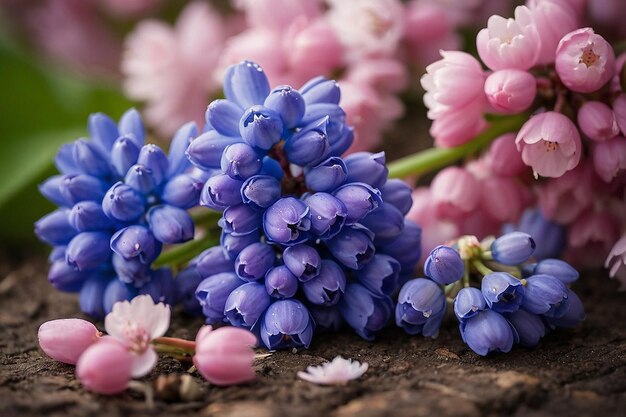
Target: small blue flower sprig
[499,298]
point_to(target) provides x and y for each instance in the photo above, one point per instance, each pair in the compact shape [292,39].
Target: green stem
[480,267]
[205,216]
[436,158]
[186,252]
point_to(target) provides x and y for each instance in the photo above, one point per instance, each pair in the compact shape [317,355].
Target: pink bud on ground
[503,157]
[584,61]
[105,367]
[552,20]
[609,158]
[455,193]
[509,43]
[224,356]
[597,121]
[550,144]
[619,110]
[65,340]
[510,90]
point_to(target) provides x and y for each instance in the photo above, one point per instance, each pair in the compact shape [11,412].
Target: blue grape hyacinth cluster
[119,201]
[511,303]
[309,240]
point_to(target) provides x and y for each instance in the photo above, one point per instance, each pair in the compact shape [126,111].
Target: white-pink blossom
[339,371]
[615,261]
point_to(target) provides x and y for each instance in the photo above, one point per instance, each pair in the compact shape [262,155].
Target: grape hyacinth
[497,305]
[305,232]
[120,200]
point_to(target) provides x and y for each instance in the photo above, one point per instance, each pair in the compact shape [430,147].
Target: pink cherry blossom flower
[619,110]
[457,126]
[105,367]
[455,192]
[224,356]
[553,19]
[510,91]
[615,260]
[170,68]
[135,324]
[550,144]
[597,121]
[585,61]
[609,158]
[509,43]
[339,371]
[65,340]
[503,158]
[591,236]
[275,15]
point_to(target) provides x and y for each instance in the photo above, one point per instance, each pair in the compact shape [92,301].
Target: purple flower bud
[233,244]
[88,250]
[91,294]
[75,188]
[240,220]
[549,237]
[261,127]
[178,161]
[529,327]
[88,216]
[513,248]
[280,282]
[55,228]
[406,248]
[303,261]
[353,246]
[206,150]
[326,176]
[333,117]
[328,286]
[573,315]
[224,116]
[51,189]
[212,293]
[102,130]
[153,158]
[559,269]
[213,261]
[321,90]
[444,265]
[116,291]
[397,193]
[131,124]
[367,167]
[221,191]
[468,302]
[260,191]
[326,318]
[386,223]
[123,203]
[341,143]
[64,160]
[328,214]
[254,261]
[286,324]
[288,103]
[365,312]
[136,242]
[246,84]
[57,254]
[140,179]
[161,287]
[65,277]
[90,159]
[287,221]
[545,295]
[182,191]
[503,292]
[131,271]
[170,224]
[488,331]
[240,161]
[124,155]
[272,167]
[360,199]
[186,283]
[380,275]
[308,147]
[421,307]
[246,304]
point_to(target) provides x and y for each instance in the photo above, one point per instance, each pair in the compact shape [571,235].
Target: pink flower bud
[510,91]
[597,121]
[609,158]
[503,157]
[585,61]
[553,20]
[224,356]
[105,367]
[550,144]
[563,199]
[457,126]
[591,237]
[455,192]
[502,198]
[619,110]
[65,340]
[509,43]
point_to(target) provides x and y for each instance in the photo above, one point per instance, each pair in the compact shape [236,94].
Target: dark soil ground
[572,373]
